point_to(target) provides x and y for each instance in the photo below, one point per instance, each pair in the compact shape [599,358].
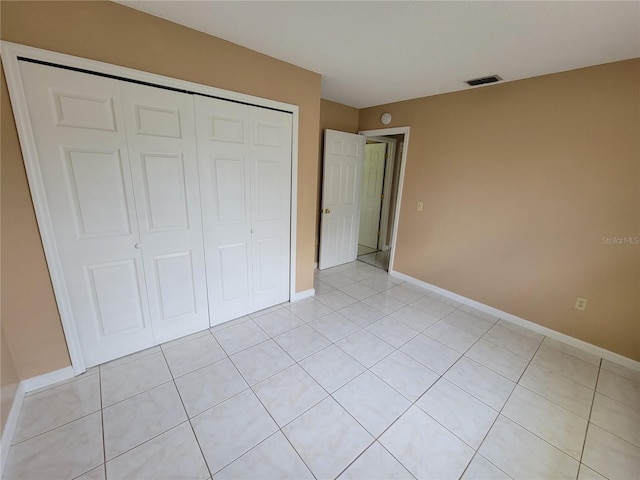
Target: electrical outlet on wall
[581,303]
[419,206]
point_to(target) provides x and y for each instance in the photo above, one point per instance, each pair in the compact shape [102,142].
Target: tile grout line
[414,403]
[411,404]
[175,385]
[369,369]
[586,432]
[529,431]
[172,380]
[477,452]
[104,440]
[331,395]
[251,387]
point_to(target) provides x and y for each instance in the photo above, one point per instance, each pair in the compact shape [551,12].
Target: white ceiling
[370,53]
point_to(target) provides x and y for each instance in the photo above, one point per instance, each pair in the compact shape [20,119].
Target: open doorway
[342,179]
[379,199]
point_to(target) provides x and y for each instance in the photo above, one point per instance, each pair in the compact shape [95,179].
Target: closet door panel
[116,296]
[234,272]
[82,152]
[271,205]
[225,183]
[162,147]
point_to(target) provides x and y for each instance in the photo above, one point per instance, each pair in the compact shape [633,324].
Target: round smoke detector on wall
[385,118]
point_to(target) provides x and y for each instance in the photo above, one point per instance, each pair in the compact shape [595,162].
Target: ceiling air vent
[481,81]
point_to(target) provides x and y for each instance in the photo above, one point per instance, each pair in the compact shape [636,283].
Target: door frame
[386,188]
[403,162]
[11,54]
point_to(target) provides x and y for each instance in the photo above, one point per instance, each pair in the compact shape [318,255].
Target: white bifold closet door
[119,169]
[161,138]
[245,178]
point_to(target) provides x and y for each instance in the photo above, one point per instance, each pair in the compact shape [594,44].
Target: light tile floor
[378,258]
[371,379]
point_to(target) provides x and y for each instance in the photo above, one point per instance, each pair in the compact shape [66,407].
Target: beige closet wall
[9,382]
[520,183]
[112,33]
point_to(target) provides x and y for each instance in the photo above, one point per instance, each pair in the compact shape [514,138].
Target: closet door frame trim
[11,54]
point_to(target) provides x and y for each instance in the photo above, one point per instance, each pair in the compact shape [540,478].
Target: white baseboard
[9,429]
[24,387]
[302,295]
[561,337]
[46,379]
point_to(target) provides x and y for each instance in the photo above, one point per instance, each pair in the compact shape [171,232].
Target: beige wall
[8,382]
[30,320]
[520,183]
[333,116]
[112,33]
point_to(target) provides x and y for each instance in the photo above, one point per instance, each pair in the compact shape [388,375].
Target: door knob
[327,210]
[138,246]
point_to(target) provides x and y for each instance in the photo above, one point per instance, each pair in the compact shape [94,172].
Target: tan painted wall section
[9,382]
[30,319]
[112,33]
[333,116]
[520,183]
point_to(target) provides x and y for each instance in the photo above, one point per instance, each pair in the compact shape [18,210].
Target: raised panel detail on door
[116,184]
[348,232]
[341,232]
[174,275]
[353,149]
[371,200]
[333,182]
[223,151]
[230,190]
[342,184]
[84,111]
[84,164]
[234,272]
[268,135]
[268,258]
[245,174]
[159,122]
[230,130]
[96,187]
[268,187]
[160,128]
[117,296]
[270,206]
[350,183]
[165,192]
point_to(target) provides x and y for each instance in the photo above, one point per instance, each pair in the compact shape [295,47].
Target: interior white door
[78,124]
[245,176]
[270,144]
[160,128]
[371,200]
[341,187]
[225,187]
